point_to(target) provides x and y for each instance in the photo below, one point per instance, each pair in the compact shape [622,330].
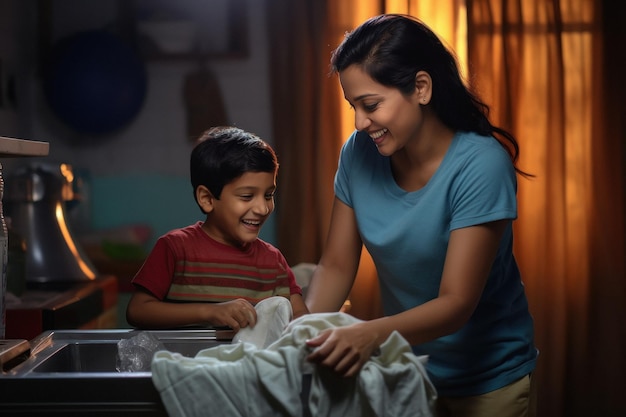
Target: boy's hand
[297,306]
[235,314]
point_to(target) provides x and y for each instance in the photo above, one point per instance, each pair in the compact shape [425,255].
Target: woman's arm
[335,273]
[146,311]
[470,255]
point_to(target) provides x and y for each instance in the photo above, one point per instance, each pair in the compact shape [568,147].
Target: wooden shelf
[10,147]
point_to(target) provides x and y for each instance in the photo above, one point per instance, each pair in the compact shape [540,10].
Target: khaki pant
[514,400]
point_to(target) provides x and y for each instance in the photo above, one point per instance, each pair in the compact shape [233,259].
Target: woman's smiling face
[244,205]
[391,118]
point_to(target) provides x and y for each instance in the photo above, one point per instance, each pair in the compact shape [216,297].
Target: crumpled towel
[242,380]
[273,315]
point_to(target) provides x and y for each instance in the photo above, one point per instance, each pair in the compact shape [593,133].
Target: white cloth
[273,315]
[241,380]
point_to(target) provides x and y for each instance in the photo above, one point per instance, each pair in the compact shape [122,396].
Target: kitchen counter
[80,305]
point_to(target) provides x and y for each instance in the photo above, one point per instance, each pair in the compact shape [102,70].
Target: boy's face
[237,217]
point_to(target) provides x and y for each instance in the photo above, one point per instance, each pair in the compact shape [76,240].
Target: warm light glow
[70,242]
[67,191]
[448,19]
[66,171]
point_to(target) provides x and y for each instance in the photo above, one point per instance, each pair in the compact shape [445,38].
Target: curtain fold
[607,341]
[305,122]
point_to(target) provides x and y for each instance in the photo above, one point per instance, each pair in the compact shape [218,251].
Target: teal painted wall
[162,202]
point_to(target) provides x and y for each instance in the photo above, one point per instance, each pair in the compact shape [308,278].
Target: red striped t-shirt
[188,265]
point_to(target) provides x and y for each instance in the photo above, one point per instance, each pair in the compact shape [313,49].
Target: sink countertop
[74,373]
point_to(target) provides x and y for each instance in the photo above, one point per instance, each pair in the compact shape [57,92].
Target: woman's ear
[423,87]
[205,198]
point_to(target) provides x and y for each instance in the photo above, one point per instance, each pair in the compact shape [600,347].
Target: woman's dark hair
[393,48]
[223,154]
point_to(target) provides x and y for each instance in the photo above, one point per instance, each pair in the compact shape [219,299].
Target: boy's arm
[298,306]
[148,312]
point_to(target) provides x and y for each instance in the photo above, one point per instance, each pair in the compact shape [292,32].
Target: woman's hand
[344,349]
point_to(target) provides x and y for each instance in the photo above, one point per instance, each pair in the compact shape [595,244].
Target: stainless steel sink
[96,351]
[90,356]
[80,357]
[74,372]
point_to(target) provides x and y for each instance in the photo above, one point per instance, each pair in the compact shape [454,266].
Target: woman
[428,184]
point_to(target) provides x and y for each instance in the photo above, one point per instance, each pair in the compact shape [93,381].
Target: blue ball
[95,82]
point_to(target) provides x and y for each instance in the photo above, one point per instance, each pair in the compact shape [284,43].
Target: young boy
[214,272]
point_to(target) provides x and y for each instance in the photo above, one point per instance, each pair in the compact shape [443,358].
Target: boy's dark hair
[224,153]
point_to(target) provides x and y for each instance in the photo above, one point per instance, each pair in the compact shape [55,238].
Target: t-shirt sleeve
[342,177]
[485,190]
[155,275]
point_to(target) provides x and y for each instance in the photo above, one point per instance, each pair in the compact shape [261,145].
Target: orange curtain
[606,360]
[533,62]
[305,124]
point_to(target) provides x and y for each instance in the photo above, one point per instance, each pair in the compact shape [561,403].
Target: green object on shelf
[123,251]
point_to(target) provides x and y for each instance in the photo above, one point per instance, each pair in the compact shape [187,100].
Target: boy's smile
[236,218]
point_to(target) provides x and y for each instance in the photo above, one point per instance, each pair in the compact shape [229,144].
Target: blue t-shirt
[407,235]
